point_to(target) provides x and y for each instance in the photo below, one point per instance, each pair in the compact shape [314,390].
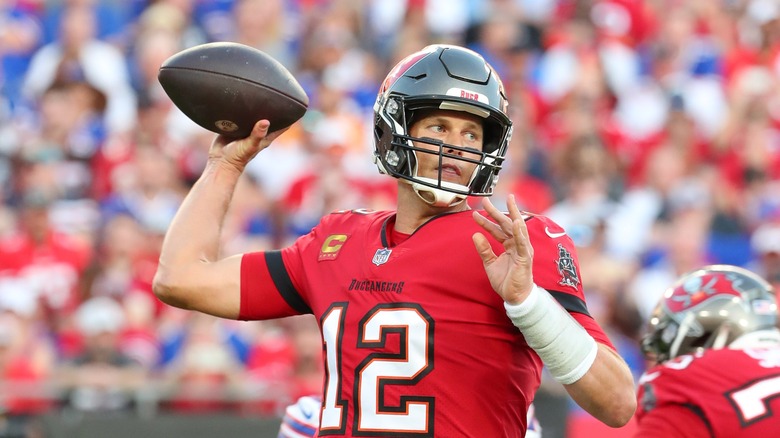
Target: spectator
[147,188]
[204,374]
[28,356]
[20,36]
[319,190]
[268,25]
[112,20]
[119,248]
[765,242]
[101,378]
[48,261]
[77,55]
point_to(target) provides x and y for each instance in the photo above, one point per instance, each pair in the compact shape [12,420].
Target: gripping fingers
[260,130]
[260,139]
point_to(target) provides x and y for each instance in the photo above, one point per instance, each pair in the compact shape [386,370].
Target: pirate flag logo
[566,268]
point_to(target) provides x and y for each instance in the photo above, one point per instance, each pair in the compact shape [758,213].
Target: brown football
[227,87]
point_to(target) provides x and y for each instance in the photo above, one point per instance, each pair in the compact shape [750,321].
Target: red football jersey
[415,340]
[719,393]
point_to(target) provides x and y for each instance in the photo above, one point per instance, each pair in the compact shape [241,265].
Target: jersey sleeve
[266,289]
[594,329]
[272,282]
[556,266]
[557,270]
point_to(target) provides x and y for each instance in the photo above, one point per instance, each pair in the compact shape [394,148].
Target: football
[227,87]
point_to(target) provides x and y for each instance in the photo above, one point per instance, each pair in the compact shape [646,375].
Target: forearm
[596,377]
[194,234]
[606,391]
[191,273]
[192,241]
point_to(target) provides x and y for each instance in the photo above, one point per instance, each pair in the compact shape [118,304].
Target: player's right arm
[190,274]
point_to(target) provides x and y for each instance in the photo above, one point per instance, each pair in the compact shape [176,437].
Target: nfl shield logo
[381,256]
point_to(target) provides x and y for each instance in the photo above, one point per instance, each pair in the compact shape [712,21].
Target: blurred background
[649,129]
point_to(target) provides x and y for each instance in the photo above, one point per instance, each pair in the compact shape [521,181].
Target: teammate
[435,320]
[713,336]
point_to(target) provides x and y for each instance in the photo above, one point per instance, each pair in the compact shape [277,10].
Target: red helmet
[709,308]
[441,77]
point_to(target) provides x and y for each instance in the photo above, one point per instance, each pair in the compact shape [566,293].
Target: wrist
[524,301]
[564,346]
[221,166]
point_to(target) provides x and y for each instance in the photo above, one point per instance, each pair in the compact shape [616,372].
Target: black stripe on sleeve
[283,282]
[570,302]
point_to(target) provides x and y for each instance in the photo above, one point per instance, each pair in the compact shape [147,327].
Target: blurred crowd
[649,129]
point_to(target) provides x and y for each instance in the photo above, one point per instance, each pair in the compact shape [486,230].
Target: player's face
[454,128]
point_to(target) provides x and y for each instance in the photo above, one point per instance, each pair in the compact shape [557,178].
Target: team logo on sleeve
[566,268]
[331,247]
[381,256]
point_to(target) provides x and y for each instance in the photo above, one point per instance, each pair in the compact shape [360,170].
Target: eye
[436,128]
[473,136]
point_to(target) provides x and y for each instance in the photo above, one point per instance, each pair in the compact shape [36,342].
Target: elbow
[165,289]
[622,409]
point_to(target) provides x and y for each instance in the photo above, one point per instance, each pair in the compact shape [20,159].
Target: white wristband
[564,345]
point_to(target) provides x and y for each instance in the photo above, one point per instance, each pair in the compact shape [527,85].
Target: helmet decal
[467,94]
[698,289]
[402,67]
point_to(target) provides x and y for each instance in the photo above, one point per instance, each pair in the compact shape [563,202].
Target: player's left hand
[510,273]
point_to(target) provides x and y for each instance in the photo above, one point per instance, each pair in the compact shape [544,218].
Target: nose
[453,139]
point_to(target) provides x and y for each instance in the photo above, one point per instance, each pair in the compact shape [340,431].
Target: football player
[436,320]
[713,336]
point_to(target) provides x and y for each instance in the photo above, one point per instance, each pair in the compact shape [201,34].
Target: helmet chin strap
[438,197]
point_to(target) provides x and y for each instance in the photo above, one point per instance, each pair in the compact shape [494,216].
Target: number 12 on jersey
[381,367]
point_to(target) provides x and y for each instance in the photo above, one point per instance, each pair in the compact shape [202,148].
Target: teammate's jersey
[431,348]
[720,393]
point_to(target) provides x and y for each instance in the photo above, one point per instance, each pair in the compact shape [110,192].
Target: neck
[413,212]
